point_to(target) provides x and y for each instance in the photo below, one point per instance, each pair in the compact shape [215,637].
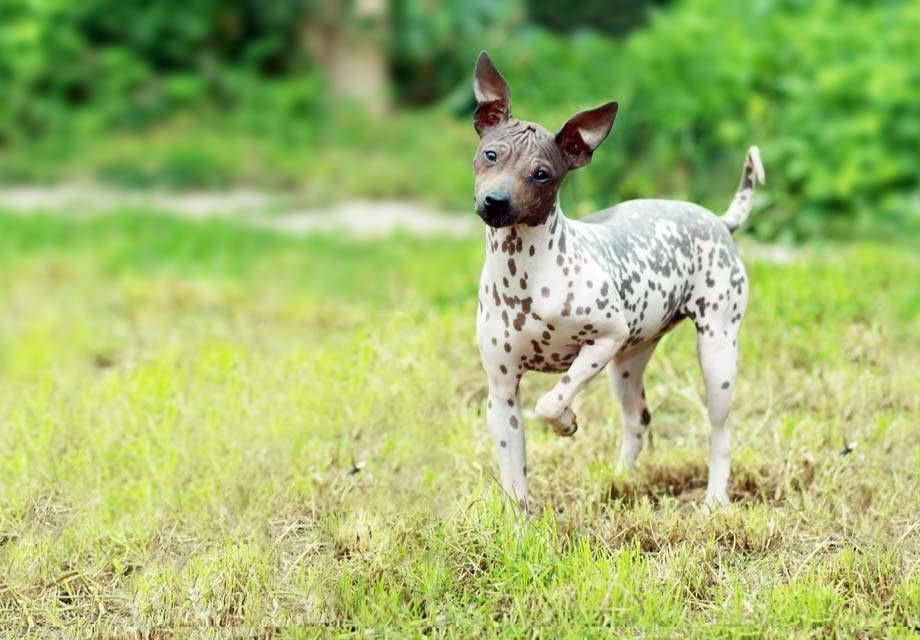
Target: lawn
[203,426]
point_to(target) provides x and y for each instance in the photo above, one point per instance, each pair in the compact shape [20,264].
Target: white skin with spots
[573,297]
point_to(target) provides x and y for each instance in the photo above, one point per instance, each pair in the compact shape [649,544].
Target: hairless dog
[574,296]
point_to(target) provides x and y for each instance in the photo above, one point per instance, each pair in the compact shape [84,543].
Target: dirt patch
[281,212]
[686,481]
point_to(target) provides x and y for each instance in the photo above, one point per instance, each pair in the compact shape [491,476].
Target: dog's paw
[566,424]
[548,409]
[560,418]
[717,499]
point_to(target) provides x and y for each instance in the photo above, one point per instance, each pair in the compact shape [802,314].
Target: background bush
[829,89]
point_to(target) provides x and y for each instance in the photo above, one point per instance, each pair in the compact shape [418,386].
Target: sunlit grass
[203,425]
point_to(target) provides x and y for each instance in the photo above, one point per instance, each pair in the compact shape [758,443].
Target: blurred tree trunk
[348,40]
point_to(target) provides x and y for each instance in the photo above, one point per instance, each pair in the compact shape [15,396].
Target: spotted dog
[574,296]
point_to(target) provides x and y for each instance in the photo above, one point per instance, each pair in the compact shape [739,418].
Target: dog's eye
[541,175]
[490,156]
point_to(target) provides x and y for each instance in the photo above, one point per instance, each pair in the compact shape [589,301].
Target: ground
[206,425]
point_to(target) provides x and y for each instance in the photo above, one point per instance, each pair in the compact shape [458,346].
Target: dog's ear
[584,132]
[493,100]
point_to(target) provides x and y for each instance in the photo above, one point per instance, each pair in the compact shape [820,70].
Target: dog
[575,296]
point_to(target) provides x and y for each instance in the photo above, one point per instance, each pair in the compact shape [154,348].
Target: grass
[399,157]
[204,426]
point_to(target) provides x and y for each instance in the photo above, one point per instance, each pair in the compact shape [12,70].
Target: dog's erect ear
[584,132]
[493,100]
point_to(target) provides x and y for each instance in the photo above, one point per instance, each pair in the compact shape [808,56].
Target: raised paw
[566,424]
[560,418]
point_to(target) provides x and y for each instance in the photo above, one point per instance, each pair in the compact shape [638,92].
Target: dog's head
[520,165]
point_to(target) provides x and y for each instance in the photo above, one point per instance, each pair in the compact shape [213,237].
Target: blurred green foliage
[433,43]
[208,94]
[830,90]
[614,17]
[91,65]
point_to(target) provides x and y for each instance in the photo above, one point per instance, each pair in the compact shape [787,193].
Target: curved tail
[740,207]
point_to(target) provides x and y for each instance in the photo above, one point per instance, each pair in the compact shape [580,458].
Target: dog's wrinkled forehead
[522,139]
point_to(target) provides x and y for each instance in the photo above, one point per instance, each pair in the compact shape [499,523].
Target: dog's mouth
[496,220]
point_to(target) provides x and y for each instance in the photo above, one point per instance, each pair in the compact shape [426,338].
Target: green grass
[399,157]
[207,426]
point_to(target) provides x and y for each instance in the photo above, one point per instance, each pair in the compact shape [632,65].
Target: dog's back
[688,259]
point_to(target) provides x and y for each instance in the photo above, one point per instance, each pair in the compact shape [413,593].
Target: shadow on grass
[685,480]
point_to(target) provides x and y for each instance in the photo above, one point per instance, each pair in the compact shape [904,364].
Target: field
[206,426]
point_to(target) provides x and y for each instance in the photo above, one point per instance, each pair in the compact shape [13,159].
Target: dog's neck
[508,249]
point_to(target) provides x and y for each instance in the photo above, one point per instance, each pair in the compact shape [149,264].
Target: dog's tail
[741,204]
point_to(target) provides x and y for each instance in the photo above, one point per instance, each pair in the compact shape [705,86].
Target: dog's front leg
[554,406]
[506,424]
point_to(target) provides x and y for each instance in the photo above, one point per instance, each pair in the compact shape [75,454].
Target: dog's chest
[535,314]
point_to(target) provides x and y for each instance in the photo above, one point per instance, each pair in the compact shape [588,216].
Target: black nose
[496,205]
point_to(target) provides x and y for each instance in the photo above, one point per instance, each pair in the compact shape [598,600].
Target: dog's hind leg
[625,372]
[718,355]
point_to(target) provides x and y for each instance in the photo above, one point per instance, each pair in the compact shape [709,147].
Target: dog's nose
[495,204]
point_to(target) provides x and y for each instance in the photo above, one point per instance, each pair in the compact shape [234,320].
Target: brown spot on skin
[547,335]
[510,402]
[625,374]
[559,260]
[567,306]
[545,292]
[503,444]
[513,421]
[523,283]
[507,348]
[726,384]
[511,266]
[532,250]
[646,417]
[566,379]
[503,369]
[519,321]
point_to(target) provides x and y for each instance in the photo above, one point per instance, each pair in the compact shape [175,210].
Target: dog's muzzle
[495,210]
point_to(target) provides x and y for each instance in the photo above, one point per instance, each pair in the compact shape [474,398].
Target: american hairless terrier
[573,296]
